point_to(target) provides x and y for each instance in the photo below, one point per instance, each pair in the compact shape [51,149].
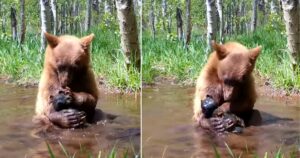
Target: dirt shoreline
[264,86]
[103,86]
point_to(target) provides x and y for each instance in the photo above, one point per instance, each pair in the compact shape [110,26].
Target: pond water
[20,138]
[168,129]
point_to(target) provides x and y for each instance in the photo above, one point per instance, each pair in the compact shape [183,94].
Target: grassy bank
[166,57]
[23,64]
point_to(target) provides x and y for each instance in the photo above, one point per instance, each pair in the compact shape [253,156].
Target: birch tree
[152,19]
[53,9]
[211,23]
[23,25]
[88,15]
[221,21]
[3,18]
[45,20]
[254,15]
[188,22]
[164,12]
[273,7]
[13,20]
[129,33]
[292,24]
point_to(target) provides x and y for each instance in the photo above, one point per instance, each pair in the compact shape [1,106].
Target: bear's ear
[220,49]
[254,52]
[86,41]
[51,39]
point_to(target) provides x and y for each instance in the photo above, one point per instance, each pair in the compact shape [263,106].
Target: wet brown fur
[73,53]
[231,61]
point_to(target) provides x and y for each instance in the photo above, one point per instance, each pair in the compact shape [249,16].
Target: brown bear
[67,78]
[226,85]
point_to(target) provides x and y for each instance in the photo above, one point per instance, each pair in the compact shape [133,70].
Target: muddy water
[20,138]
[168,130]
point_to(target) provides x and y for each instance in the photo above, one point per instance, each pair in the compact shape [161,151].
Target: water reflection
[168,111]
[20,138]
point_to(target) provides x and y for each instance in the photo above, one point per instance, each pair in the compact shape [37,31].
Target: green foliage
[23,63]
[85,151]
[274,61]
[167,58]
[292,153]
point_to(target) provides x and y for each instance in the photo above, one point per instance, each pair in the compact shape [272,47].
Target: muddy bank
[104,87]
[263,85]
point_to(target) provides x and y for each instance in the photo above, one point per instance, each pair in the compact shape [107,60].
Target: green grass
[292,153]
[23,64]
[166,57]
[112,154]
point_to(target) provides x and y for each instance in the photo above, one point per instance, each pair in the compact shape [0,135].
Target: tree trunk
[188,22]
[169,23]
[53,9]
[273,7]
[152,19]
[129,33]
[221,21]
[108,11]
[164,6]
[179,23]
[242,13]
[138,7]
[23,25]
[211,23]
[13,20]
[107,7]
[88,15]
[3,18]
[75,15]
[45,20]
[292,24]
[254,15]
[261,6]
[96,6]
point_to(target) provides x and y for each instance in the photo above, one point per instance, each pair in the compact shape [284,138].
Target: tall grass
[112,154]
[291,153]
[23,64]
[166,57]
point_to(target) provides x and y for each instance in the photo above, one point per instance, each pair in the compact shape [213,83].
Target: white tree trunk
[221,24]
[45,21]
[53,9]
[107,7]
[254,15]
[88,15]
[152,19]
[273,7]
[211,23]
[129,32]
[23,26]
[292,24]
[3,23]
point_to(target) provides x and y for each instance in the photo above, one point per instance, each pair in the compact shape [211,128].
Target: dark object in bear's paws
[208,105]
[61,101]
